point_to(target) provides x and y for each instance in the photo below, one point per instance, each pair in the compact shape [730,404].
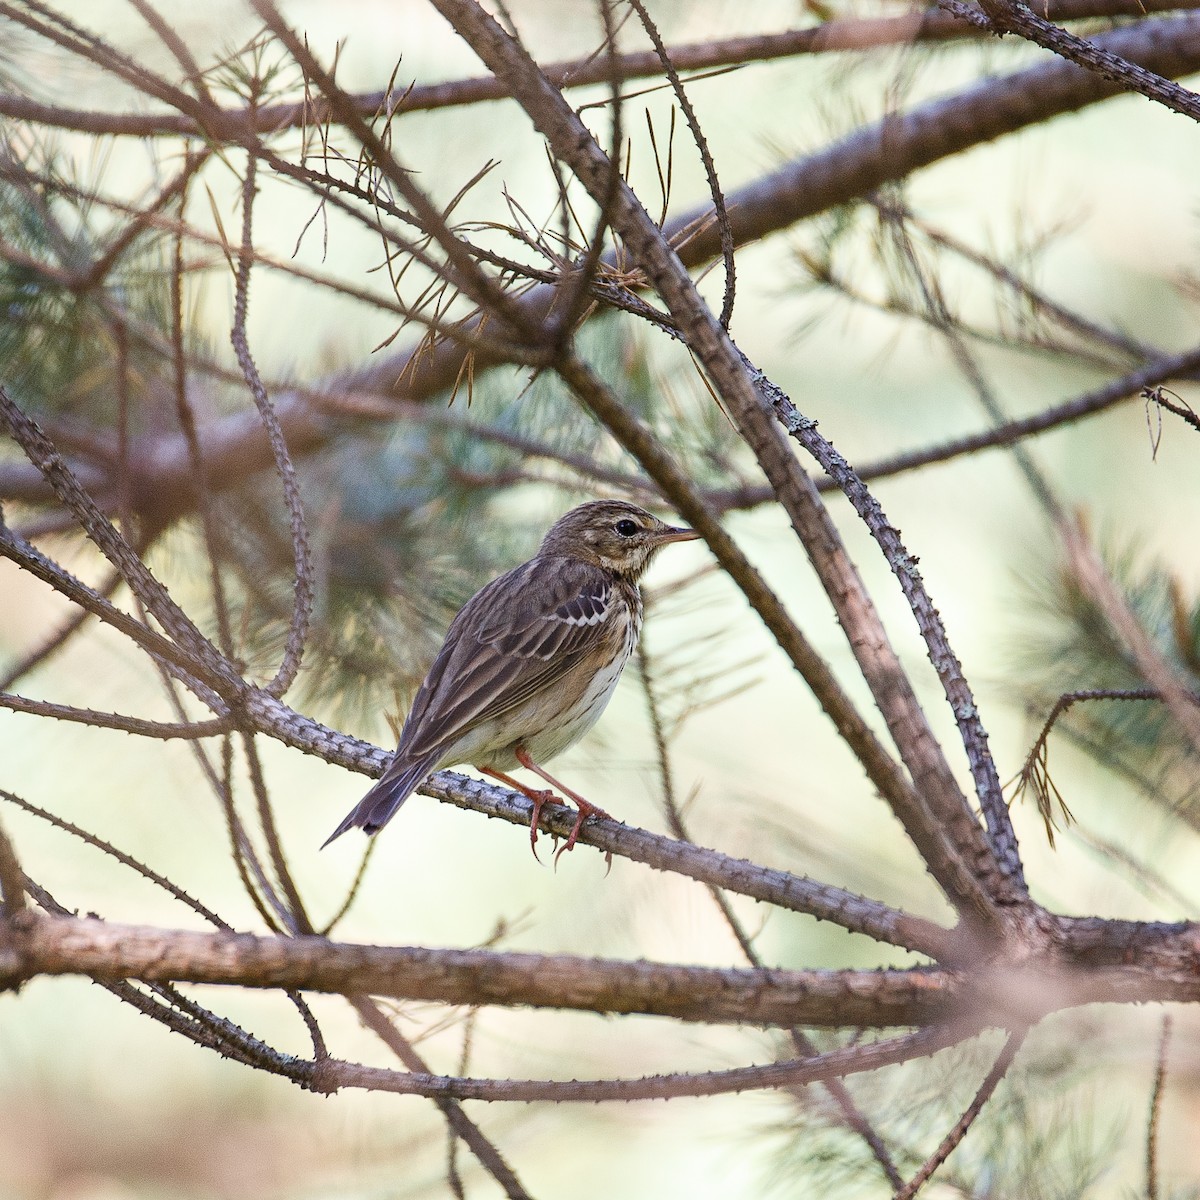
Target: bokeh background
[97,1103]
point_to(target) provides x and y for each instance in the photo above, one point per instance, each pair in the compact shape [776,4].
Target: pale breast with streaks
[544,725]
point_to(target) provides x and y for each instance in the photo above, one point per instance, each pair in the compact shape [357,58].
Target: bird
[529,663]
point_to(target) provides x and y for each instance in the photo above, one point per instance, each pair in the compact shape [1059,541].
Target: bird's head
[614,535]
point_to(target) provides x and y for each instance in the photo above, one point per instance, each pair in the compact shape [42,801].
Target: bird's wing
[516,637]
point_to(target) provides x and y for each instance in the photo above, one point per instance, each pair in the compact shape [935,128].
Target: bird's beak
[673,533]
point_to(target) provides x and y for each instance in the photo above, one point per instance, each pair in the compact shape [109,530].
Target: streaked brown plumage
[530,662]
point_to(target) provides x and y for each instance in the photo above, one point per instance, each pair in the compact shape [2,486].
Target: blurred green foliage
[1066,644]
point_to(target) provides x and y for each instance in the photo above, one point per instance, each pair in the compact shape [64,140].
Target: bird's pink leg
[586,807]
[539,796]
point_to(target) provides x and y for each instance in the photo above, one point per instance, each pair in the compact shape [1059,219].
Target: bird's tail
[379,805]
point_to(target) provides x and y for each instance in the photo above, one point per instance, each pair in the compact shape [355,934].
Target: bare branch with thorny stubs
[1007,962]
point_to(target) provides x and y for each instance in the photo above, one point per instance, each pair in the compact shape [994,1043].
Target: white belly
[555,738]
[542,725]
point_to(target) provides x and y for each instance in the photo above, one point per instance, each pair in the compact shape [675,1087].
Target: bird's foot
[539,797]
[544,796]
[586,809]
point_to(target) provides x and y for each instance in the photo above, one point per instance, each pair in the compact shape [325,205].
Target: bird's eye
[626,528]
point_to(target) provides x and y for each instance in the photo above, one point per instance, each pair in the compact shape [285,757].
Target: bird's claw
[585,810]
[540,800]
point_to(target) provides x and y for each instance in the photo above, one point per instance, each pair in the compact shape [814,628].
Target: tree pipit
[529,663]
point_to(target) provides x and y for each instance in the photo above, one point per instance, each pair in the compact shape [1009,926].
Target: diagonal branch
[1097,584]
[111,543]
[196,676]
[941,654]
[902,143]
[302,603]
[837,1089]
[460,1124]
[948,823]
[853,167]
[1004,1060]
[938,850]
[1005,16]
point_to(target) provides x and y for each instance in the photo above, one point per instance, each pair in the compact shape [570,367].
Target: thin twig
[789,1074]
[940,317]
[194,675]
[999,1069]
[1155,1115]
[1116,339]
[59,638]
[941,654]
[460,1124]
[164,730]
[805,1047]
[127,860]
[115,547]
[178,48]
[1035,774]
[839,35]
[187,425]
[251,871]
[710,170]
[298,920]
[1007,17]
[303,588]
[205,1028]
